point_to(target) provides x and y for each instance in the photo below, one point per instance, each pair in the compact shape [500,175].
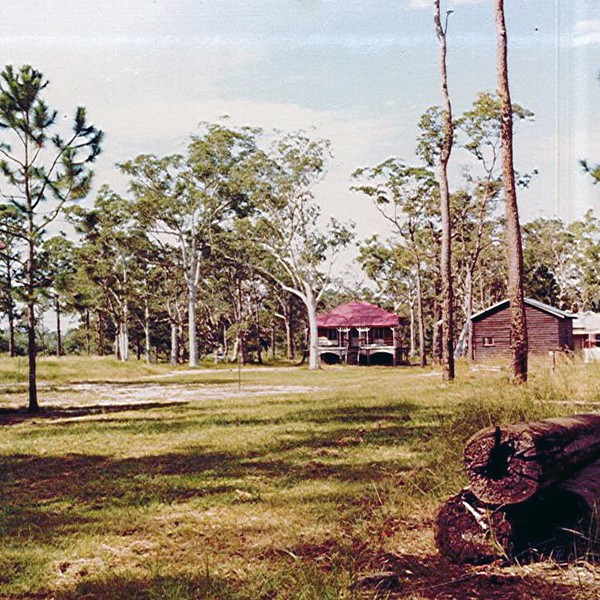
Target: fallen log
[512,464]
[554,522]
[469,532]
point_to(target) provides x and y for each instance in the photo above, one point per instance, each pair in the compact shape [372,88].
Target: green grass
[279,493]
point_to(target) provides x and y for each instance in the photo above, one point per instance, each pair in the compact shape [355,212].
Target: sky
[358,72]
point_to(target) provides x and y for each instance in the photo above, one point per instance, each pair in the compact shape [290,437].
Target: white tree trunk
[310,300]
[412,329]
[147,333]
[235,350]
[174,342]
[124,342]
[192,341]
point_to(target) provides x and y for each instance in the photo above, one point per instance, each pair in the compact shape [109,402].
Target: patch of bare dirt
[88,398]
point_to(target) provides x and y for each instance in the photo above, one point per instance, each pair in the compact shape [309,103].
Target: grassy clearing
[288,492]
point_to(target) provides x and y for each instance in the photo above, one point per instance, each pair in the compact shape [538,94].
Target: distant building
[548,328]
[360,333]
[586,334]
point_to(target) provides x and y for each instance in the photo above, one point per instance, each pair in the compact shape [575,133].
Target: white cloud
[420,4]
[164,124]
[587,32]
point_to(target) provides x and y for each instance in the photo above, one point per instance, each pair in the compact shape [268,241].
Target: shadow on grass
[49,496]
[423,577]
[13,416]
[360,414]
[121,587]
[432,577]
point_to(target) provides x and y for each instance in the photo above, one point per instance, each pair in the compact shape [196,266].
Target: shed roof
[586,322]
[555,312]
[357,314]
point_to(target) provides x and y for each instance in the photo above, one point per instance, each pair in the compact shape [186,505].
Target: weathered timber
[555,522]
[469,532]
[585,487]
[510,465]
[545,332]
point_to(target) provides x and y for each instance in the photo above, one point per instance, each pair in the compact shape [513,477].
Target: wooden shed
[360,333]
[548,328]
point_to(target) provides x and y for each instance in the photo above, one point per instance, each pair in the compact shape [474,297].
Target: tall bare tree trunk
[33,405]
[147,345]
[11,331]
[174,340]
[192,338]
[421,320]
[10,309]
[99,332]
[311,301]
[288,316]
[514,248]
[58,331]
[446,254]
[412,329]
[469,313]
[273,353]
[124,336]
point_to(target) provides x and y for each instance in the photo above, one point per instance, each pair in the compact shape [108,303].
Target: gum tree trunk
[58,331]
[514,248]
[446,253]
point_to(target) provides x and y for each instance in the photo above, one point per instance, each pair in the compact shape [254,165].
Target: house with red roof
[360,333]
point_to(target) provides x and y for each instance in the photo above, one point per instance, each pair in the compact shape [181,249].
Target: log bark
[552,523]
[584,486]
[510,465]
[514,244]
[470,532]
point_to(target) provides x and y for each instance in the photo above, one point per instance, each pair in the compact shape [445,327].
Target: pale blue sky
[358,72]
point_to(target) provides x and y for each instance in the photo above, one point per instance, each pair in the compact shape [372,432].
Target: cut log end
[467,532]
[511,465]
[500,468]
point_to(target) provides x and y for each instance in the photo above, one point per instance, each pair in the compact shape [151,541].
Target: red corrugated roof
[357,314]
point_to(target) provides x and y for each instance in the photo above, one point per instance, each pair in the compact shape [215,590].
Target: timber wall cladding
[546,332]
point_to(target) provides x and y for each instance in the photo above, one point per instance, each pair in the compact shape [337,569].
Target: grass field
[140,482]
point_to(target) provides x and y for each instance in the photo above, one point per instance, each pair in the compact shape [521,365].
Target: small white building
[586,334]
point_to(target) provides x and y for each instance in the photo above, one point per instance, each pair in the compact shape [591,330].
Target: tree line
[202,242]
[223,250]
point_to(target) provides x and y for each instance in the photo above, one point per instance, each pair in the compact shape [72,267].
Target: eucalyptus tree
[514,247]
[552,272]
[562,262]
[148,279]
[11,266]
[586,232]
[298,246]
[58,269]
[408,198]
[39,165]
[184,199]
[108,259]
[391,267]
[475,229]
[480,134]
[445,150]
